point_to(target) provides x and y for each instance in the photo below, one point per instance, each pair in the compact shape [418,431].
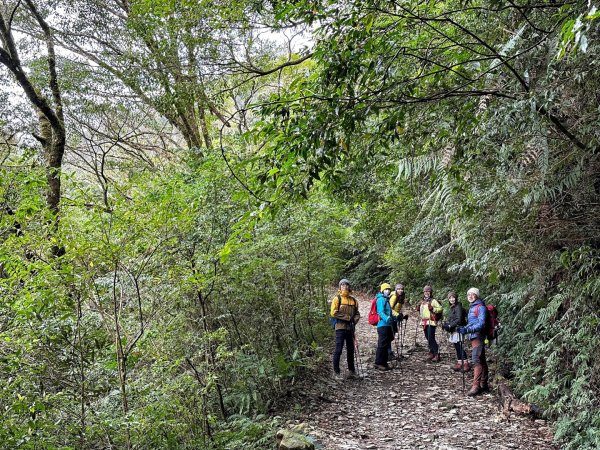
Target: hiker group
[476,325]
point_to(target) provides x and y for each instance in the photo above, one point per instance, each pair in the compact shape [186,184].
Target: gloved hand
[446,327]
[462,330]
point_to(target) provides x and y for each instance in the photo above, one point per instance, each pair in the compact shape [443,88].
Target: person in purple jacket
[475,328]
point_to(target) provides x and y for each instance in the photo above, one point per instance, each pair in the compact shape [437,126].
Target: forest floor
[417,405]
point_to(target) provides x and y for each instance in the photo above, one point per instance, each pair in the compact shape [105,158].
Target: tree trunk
[52,135]
[121,357]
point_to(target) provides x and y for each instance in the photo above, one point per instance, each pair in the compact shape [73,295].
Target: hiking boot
[456,367]
[484,377]
[382,367]
[436,358]
[474,391]
[429,356]
[337,376]
[484,388]
[477,372]
[351,375]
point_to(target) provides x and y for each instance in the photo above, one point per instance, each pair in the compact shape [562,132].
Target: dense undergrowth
[215,184]
[150,332]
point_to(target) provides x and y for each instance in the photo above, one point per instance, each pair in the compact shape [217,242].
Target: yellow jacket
[344,308]
[425,313]
[396,305]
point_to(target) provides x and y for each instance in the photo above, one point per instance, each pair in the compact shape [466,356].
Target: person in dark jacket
[475,329]
[456,318]
[344,309]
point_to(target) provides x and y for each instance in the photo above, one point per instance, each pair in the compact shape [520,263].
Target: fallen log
[512,404]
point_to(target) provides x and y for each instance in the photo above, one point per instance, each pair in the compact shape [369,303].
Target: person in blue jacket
[475,329]
[384,327]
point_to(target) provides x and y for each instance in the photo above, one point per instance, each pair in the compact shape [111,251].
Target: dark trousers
[430,336]
[342,336]
[460,352]
[385,338]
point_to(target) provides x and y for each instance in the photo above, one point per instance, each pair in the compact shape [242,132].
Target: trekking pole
[360,366]
[357,352]
[416,329]
[439,352]
[462,354]
[397,352]
[355,344]
[405,327]
[400,335]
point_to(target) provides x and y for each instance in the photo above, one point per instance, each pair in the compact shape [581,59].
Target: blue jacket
[384,310]
[476,323]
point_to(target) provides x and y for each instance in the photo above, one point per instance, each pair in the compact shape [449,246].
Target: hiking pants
[385,338]
[342,336]
[478,357]
[460,356]
[430,336]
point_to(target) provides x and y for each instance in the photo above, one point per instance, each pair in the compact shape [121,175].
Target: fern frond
[533,153]
[418,166]
[561,184]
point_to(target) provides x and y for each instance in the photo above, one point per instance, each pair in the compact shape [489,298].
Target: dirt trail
[417,405]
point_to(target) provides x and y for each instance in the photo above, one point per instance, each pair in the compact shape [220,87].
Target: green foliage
[149,336]
[493,139]
[436,143]
[240,432]
[36,314]
[558,366]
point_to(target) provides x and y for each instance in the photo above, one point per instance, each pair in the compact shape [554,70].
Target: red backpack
[373,316]
[491,322]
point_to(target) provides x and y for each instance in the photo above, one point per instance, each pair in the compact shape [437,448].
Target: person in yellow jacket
[430,313]
[344,310]
[396,302]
